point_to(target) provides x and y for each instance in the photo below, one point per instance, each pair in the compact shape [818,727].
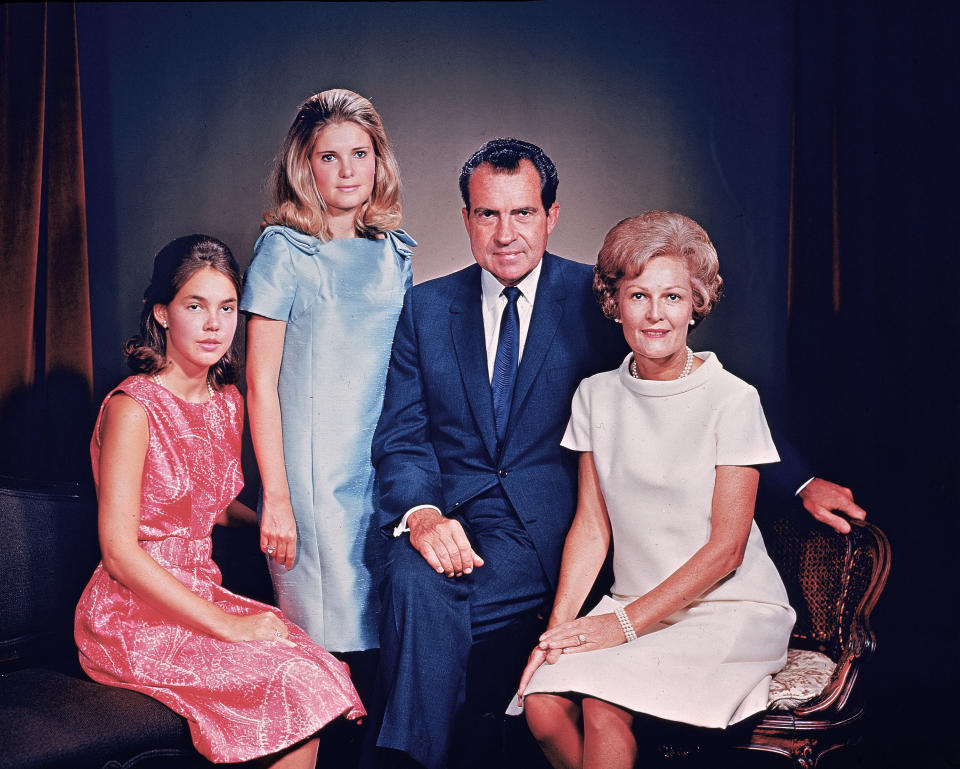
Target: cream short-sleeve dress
[656,446]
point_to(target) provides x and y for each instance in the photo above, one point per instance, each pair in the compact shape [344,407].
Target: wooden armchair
[833,581]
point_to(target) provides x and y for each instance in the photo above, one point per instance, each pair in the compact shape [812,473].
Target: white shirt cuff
[796,493]
[402,528]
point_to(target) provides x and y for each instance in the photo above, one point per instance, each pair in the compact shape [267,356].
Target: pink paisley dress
[242,700]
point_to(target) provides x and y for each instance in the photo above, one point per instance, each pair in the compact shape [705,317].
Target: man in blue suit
[470,473]
[473,486]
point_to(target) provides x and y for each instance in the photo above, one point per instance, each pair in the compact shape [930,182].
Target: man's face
[506,222]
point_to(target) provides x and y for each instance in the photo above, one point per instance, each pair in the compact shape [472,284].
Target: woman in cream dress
[697,621]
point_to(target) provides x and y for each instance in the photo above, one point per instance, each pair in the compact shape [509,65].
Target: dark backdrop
[640,105]
[813,140]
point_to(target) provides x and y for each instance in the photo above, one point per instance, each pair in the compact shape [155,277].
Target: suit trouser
[430,622]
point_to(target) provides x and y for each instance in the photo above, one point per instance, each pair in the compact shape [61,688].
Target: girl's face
[344,165]
[656,307]
[200,321]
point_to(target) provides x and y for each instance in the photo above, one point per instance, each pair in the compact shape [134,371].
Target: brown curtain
[46,366]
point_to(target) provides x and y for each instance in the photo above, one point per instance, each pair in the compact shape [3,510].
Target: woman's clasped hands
[599,631]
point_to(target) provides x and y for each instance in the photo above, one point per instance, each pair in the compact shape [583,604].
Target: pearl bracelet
[625,625]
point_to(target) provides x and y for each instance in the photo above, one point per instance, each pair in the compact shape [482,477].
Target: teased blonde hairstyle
[297,202]
[633,242]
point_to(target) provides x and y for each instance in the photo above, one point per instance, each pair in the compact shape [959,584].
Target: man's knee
[409,581]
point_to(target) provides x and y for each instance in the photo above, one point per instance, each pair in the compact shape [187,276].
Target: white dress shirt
[492,302]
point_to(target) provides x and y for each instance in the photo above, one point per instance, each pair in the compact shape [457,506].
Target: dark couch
[51,714]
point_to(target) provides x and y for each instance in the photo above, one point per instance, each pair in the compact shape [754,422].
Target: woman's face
[201,320]
[656,307]
[344,165]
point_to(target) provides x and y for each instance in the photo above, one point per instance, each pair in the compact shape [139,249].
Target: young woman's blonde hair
[297,202]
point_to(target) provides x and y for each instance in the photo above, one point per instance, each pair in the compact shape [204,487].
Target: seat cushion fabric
[803,677]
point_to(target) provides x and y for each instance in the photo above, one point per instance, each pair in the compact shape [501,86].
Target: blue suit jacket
[435,442]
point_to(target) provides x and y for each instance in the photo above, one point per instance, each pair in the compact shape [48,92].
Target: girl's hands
[265,626]
[278,532]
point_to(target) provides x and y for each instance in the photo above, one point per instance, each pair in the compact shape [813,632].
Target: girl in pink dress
[166,463]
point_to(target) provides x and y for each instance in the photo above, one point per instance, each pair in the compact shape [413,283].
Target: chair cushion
[49,719]
[803,677]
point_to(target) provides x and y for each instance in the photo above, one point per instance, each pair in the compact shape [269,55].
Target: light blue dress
[340,301]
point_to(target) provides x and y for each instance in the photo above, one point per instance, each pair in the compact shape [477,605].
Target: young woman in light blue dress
[323,294]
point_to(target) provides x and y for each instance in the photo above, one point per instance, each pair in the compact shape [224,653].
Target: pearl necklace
[687,367]
[157,381]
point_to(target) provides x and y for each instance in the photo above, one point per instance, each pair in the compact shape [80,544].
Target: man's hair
[505,155]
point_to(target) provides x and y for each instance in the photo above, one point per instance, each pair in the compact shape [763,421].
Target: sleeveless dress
[656,446]
[242,700]
[340,300]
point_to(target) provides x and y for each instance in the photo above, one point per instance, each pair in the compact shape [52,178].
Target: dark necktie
[506,363]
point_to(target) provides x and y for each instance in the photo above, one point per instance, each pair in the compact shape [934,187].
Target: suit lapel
[466,326]
[547,312]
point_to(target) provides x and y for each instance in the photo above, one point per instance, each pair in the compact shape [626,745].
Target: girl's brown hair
[172,268]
